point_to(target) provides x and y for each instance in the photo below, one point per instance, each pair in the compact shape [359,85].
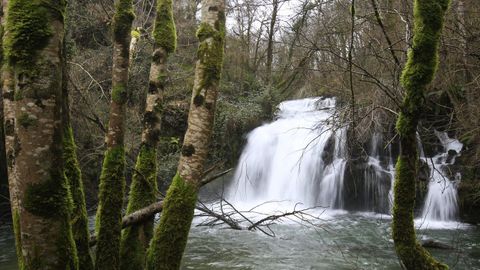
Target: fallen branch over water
[224,213]
[145,213]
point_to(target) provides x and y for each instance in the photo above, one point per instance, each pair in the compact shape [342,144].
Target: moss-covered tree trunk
[33,49]
[79,218]
[9,129]
[418,73]
[170,238]
[4,193]
[143,190]
[112,178]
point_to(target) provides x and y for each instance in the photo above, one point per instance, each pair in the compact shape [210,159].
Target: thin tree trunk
[271,33]
[463,40]
[112,178]
[418,73]
[4,194]
[9,129]
[41,200]
[79,218]
[144,214]
[143,190]
[350,70]
[167,246]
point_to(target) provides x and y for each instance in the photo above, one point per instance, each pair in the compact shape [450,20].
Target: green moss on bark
[412,254]
[170,239]
[18,239]
[119,94]
[79,218]
[52,199]
[164,32]
[28,29]
[211,52]
[143,192]
[122,20]
[109,212]
[49,199]
[25,120]
[417,74]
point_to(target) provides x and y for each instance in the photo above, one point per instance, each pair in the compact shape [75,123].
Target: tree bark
[167,246]
[9,129]
[112,178]
[143,191]
[4,193]
[417,74]
[33,98]
[146,213]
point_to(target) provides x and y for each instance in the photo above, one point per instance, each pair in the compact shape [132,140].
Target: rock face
[368,177]
[366,188]
[327,155]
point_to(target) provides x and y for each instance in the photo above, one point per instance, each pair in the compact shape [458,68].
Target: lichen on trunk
[143,189]
[41,199]
[170,238]
[417,74]
[112,178]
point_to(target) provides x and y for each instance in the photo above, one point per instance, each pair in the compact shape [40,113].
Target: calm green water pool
[345,241]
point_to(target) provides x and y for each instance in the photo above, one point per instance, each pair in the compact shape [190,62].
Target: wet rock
[469,205]
[423,171]
[451,155]
[366,188]
[328,151]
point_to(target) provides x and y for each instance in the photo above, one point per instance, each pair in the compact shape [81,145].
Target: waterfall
[301,157]
[290,159]
[441,201]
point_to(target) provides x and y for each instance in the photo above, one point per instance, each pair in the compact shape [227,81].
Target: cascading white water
[441,201]
[301,158]
[283,161]
[331,183]
[378,176]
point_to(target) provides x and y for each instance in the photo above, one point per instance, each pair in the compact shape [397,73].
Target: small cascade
[369,180]
[331,184]
[441,201]
[378,175]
